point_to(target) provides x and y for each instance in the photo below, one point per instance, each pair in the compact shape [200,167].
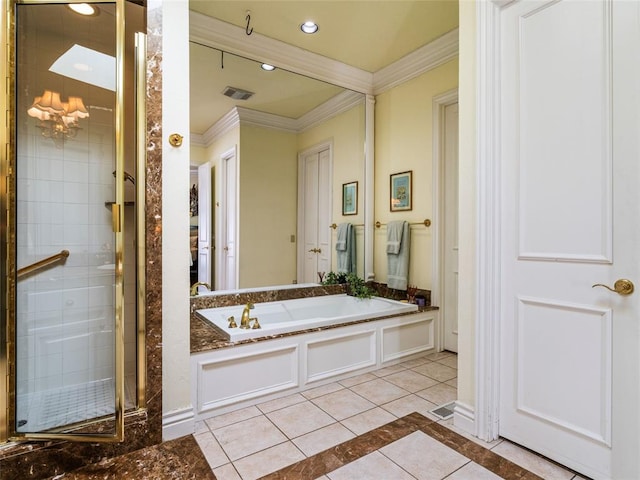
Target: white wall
[176,400]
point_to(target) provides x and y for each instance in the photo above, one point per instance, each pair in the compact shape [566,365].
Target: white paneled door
[226,233]
[570,149]
[205,245]
[315,214]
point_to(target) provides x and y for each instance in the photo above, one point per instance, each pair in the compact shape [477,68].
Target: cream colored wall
[213,154]
[268,206]
[221,145]
[347,132]
[403,141]
[198,155]
[176,389]
[467,205]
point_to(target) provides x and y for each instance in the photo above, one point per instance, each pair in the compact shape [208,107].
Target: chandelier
[58,120]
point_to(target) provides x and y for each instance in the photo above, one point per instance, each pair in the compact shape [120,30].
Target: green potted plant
[355,285]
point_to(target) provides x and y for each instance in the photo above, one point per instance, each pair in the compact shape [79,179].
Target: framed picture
[350,198]
[401,191]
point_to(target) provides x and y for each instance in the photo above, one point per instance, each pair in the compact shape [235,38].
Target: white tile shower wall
[65,319]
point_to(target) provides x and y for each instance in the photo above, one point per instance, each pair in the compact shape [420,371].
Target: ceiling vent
[237,93]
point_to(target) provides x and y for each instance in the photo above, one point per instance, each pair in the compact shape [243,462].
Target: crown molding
[229,120]
[425,58]
[245,116]
[197,140]
[266,120]
[230,38]
[329,109]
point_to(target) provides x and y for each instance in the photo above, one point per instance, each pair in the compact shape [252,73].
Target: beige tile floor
[255,441]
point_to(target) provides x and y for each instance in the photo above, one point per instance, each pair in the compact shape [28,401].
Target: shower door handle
[39,265]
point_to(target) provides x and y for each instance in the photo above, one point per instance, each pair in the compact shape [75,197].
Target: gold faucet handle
[232,322]
[250,306]
[256,324]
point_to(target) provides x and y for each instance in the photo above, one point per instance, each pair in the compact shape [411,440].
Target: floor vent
[444,411]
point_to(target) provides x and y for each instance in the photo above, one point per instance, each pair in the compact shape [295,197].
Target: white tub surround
[226,379]
[301,314]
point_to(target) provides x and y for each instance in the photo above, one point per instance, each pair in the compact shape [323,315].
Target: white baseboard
[464,417]
[178,423]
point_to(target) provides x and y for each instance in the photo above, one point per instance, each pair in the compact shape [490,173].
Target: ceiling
[368,35]
[277,92]
[365,34]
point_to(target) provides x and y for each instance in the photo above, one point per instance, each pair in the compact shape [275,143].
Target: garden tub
[301,314]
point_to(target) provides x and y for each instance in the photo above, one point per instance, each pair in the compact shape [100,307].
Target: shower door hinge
[116,221]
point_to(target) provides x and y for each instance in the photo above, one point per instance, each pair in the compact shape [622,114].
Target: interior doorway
[226,222]
[314,213]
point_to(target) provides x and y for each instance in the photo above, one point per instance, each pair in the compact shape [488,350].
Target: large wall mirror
[277,159]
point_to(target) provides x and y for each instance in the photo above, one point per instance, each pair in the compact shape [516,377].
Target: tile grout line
[399,368]
[340,455]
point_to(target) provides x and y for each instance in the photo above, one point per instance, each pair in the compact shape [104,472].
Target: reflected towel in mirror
[346,248]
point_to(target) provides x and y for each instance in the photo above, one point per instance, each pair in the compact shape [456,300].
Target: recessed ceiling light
[83,8]
[267,67]
[309,27]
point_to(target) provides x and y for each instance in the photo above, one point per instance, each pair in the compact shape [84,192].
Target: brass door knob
[315,250]
[621,287]
[175,139]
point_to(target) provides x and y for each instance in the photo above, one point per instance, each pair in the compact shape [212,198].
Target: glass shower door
[68,197]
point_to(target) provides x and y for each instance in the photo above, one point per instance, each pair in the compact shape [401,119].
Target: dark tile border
[179,459]
[344,453]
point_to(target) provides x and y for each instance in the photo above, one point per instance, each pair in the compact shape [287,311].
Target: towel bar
[426,223]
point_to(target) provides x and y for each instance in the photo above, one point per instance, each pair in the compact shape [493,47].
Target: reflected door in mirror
[316,214]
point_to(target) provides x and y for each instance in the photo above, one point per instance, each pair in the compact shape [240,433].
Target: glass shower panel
[65,184]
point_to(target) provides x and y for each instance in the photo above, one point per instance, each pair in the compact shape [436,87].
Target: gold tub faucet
[244,320]
[194,287]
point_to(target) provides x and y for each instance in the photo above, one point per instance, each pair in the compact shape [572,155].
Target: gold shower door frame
[8,240]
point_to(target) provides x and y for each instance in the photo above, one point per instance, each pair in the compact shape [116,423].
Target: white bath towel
[398,263]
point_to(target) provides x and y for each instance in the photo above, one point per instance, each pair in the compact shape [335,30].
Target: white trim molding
[487,322]
[425,58]
[439,103]
[230,38]
[464,416]
[333,107]
[178,423]
[245,116]
[369,185]
[266,120]
[228,121]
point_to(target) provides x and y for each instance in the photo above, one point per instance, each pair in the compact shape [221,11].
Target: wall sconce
[58,119]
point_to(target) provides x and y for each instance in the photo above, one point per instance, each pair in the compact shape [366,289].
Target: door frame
[488,208]
[439,103]
[317,148]
[221,219]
